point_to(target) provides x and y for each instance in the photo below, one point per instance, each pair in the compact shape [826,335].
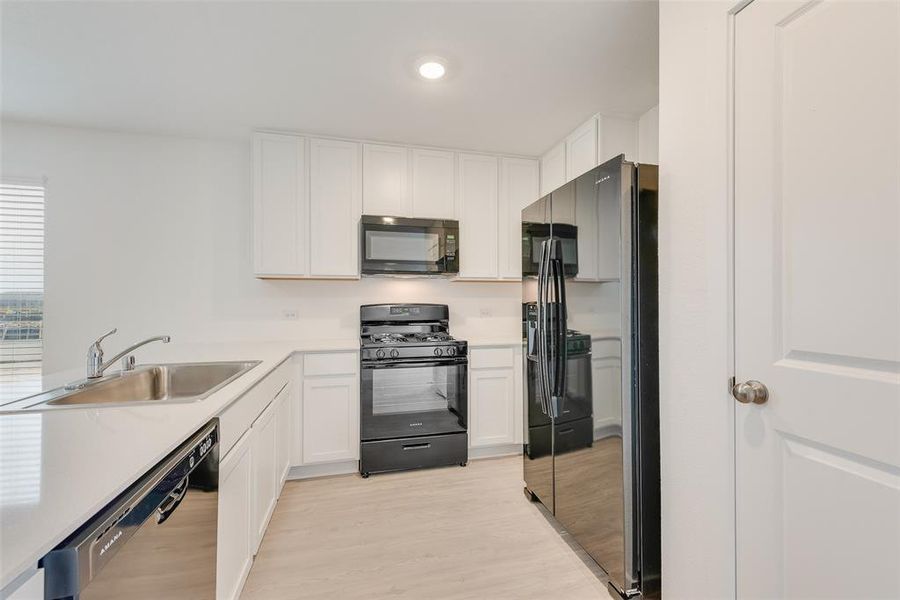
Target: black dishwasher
[155,540]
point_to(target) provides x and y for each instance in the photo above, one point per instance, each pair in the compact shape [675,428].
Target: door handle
[750,392]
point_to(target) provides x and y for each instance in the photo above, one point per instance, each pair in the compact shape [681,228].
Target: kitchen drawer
[413,453]
[491,358]
[332,363]
[606,349]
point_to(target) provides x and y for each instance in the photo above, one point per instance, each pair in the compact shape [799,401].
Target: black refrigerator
[591,455]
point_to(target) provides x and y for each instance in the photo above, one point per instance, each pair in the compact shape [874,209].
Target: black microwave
[401,246]
[534,234]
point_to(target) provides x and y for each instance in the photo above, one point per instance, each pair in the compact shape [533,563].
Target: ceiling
[520,74]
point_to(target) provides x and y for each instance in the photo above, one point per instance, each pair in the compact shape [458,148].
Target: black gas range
[413,389]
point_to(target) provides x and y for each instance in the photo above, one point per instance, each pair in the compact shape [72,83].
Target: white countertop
[59,467]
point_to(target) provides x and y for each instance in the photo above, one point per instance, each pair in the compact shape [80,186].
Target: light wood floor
[452,533]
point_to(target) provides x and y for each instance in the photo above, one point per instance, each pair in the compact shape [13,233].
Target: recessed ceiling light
[431,69]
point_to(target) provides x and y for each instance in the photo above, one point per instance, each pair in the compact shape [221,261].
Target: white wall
[648,137]
[696,412]
[152,234]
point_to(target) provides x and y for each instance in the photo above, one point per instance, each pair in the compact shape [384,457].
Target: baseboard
[323,470]
[607,431]
[495,451]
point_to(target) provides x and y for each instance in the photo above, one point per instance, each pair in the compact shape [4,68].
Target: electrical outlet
[290,314]
[485,312]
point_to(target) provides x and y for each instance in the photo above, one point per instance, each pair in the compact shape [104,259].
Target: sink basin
[146,384]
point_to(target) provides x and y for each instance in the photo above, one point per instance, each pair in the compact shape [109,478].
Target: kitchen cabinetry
[477,183]
[495,411]
[581,149]
[606,373]
[433,184]
[283,407]
[553,168]
[518,188]
[385,180]
[334,208]
[263,435]
[234,554]
[297,183]
[280,205]
[614,137]
[330,408]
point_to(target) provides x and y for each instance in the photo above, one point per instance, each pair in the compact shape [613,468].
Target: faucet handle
[105,335]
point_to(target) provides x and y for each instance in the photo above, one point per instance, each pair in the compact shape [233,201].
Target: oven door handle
[381,364]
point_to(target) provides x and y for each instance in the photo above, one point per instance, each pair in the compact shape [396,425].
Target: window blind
[21,288]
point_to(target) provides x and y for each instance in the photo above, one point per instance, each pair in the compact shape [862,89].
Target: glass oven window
[413,390]
[403,246]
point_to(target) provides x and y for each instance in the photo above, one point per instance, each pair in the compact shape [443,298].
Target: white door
[493,399]
[817,299]
[234,549]
[518,188]
[264,471]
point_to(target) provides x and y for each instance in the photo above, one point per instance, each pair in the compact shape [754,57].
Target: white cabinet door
[581,150]
[264,478]
[616,136]
[234,551]
[334,208]
[280,208]
[478,222]
[433,184]
[283,434]
[492,398]
[330,419]
[518,188]
[609,234]
[606,376]
[385,180]
[553,168]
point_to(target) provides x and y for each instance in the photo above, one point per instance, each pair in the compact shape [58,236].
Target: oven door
[408,246]
[412,399]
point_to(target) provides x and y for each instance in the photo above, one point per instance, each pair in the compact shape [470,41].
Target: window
[21,288]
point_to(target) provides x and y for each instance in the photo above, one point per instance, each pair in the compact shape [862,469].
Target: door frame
[731,228]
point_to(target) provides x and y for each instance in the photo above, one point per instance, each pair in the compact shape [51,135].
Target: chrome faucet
[95,364]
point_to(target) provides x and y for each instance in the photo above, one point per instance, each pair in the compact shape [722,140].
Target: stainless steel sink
[147,384]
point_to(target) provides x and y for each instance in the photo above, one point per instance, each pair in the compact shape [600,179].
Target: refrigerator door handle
[561,353]
[542,321]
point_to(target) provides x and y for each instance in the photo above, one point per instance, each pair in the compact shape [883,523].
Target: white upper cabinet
[280,207]
[587,218]
[385,180]
[581,150]
[518,188]
[477,182]
[616,136]
[334,207]
[433,182]
[553,168]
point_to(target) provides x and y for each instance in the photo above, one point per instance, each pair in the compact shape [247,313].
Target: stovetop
[408,332]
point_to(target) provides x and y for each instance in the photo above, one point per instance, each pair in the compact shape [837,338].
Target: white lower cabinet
[234,552]
[495,411]
[330,421]
[264,477]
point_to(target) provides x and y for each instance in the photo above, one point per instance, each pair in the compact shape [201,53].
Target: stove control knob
[451,351]
[438,351]
[379,353]
[395,353]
